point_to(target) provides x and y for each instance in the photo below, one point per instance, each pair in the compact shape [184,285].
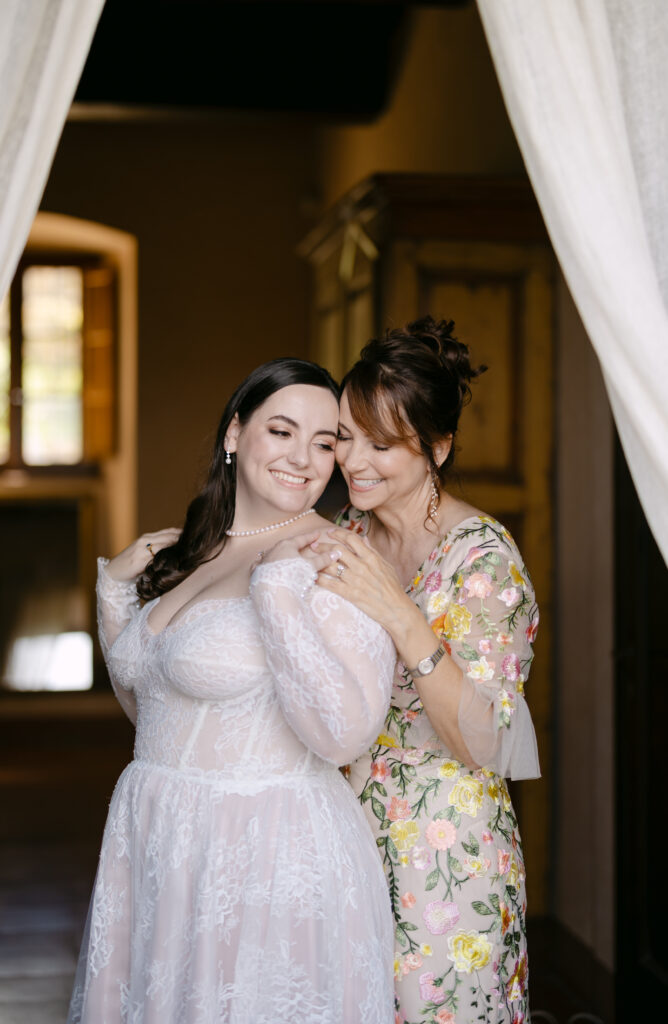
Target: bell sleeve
[117,603]
[489,627]
[333,666]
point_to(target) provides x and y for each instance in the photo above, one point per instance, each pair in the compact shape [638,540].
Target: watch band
[427,665]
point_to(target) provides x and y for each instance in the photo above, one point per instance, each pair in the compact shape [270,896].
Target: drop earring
[228,458]
[434,502]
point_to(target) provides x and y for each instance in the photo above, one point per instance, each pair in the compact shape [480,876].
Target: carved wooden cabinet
[475,251]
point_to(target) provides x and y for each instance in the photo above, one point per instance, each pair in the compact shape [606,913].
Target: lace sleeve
[333,665]
[489,627]
[117,602]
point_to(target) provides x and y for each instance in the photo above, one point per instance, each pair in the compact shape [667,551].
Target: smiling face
[394,477]
[285,454]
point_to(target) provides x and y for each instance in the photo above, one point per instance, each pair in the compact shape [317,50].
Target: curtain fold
[586,87]
[43,47]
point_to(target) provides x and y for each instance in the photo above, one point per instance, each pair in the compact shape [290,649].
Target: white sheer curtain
[43,46]
[586,87]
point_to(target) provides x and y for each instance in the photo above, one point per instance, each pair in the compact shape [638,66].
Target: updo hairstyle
[410,386]
[211,513]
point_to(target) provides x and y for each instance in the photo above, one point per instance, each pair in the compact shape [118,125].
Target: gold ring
[340,569]
[150,547]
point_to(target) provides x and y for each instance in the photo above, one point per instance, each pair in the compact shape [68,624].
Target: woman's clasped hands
[352,568]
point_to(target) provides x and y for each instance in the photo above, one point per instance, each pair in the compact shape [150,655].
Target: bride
[238,879]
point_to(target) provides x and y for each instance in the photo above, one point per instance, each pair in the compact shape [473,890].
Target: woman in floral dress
[450,587]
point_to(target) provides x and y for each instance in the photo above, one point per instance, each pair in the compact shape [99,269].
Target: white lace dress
[239,882]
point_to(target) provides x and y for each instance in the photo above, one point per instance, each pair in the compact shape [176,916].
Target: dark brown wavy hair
[410,386]
[211,513]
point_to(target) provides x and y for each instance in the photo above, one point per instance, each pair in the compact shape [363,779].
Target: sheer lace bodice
[277,680]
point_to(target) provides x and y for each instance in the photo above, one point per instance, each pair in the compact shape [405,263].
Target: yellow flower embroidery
[457,622]
[386,741]
[437,603]
[426,949]
[449,769]
[493,791]
[505,795]
[404,834]
[469,951]
[397,967]
[516,576]
[466,796]
[417,580]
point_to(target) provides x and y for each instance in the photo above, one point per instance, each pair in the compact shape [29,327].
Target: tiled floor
[44,891]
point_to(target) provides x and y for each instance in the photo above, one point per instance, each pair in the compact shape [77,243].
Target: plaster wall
[215,207]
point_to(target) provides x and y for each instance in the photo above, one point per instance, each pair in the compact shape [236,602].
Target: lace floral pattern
[448,836]
[238,880]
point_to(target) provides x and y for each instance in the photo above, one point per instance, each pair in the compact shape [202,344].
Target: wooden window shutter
[99,363]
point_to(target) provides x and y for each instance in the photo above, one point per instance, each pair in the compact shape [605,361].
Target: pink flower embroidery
[472,555]
[433,582]
[420,858]
[408,900]
[399,809]
[503,639]
[379,769]
[441,833]
[510,667]
[411,962]
[479,584]
[445,1017]
[428,991]
[412,755]
[487,836]
[509,596]
[439,917]
[484,646]
[504,861]
[532,629]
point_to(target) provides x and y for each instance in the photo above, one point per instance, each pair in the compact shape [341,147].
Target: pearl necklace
[265,529]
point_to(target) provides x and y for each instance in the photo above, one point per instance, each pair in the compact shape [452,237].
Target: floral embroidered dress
[447,835]
[238,881]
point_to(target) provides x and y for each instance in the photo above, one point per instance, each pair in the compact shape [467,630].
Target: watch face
[425,666]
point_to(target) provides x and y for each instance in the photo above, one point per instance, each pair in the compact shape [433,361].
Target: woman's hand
[361,575]
[303,545]
[133,559]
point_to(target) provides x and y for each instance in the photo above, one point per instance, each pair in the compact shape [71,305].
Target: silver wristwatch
[428,665]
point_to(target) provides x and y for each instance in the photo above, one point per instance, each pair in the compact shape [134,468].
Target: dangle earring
[228,458]
[434,502]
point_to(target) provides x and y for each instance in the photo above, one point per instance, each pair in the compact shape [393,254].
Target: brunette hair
[410,386]
[211,513]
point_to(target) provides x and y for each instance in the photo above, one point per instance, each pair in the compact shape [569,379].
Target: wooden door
[500,297]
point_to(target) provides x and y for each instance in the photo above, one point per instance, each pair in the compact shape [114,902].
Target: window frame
[46,258]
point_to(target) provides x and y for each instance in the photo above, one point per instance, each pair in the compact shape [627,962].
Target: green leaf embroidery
[378,808]
[432,880]
[473,846]
[482,908]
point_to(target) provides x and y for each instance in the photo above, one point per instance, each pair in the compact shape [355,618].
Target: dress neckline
[439,543]
[181,616]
